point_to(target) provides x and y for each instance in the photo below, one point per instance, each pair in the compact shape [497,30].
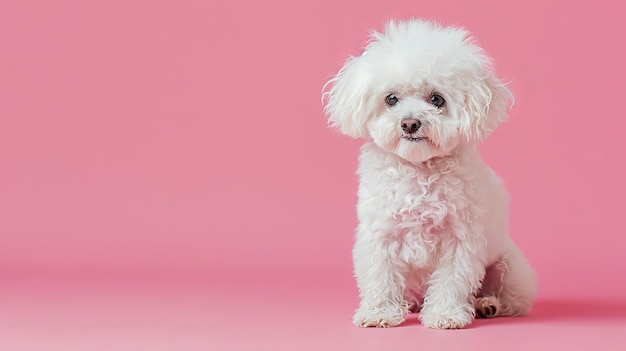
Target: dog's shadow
[557,311]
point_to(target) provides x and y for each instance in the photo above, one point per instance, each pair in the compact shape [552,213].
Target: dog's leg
[381,284]
[448,303]
[509,287]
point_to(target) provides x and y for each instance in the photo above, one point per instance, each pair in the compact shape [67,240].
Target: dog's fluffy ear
[486,105]
[347,102]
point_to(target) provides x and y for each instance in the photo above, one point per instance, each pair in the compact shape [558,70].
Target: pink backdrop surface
[157,153]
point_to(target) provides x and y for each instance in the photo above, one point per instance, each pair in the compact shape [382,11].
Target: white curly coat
[432,234]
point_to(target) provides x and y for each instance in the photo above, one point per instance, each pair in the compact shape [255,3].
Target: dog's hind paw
[487,307]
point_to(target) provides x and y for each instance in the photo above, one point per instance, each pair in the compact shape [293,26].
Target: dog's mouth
[413,138]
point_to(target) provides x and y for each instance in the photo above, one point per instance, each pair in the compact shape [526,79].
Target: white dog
[432,234]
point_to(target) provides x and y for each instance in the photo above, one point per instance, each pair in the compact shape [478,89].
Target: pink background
[167,179]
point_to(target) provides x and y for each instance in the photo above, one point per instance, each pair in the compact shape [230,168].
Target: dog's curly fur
[433,234]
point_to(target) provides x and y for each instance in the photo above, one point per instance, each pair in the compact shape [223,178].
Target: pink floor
[192,314]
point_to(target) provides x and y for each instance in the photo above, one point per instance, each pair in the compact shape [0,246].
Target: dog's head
[419,90]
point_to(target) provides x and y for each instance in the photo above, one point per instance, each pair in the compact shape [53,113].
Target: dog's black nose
[410,125]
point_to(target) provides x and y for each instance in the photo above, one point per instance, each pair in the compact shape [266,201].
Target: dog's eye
[391,99]
[437,100]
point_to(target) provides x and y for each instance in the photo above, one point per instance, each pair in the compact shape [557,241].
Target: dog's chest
[421,205]
[424,200]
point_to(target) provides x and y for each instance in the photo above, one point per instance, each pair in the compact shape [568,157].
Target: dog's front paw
[380,317]
[447,318]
